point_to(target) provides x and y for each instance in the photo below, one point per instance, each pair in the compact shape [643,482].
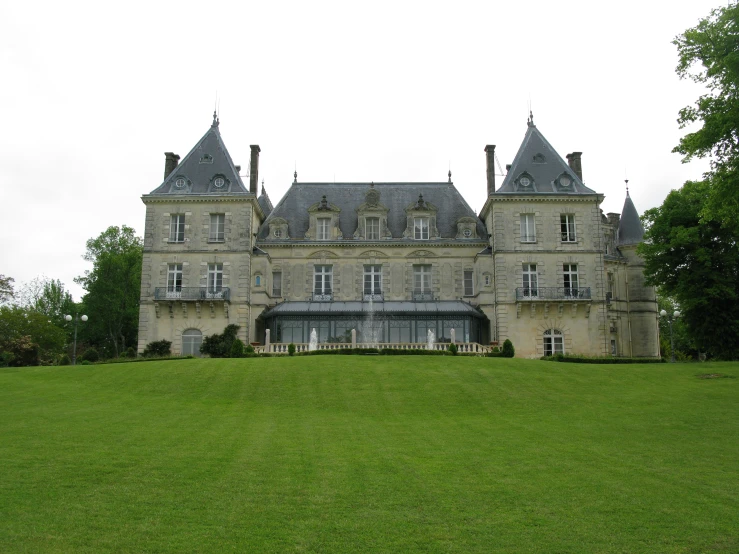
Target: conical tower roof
[630,230]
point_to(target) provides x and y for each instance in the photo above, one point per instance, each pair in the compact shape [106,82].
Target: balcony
[373,297]
[192,294]
[323,297]
[552,293]
[423,296]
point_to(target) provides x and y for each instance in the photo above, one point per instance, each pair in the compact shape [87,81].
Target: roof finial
[450,175]
[530,120]
[262,185]
[627,186]
[215,119]
[295,176]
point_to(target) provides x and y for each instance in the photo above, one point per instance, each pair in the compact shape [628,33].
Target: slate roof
[293,207]
[393,307]
[630,230]
[264,202]
[540,162]
[208,160]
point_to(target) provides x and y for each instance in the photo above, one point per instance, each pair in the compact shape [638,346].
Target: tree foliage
[47,297]
[23,331]
[709,54]
[695,260]
[113,288]
[6,288]
[219,346]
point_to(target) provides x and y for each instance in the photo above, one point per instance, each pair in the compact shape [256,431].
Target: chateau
[541,264]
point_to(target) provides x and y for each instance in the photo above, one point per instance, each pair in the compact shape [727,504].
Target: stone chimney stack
[490,167]
[575,161]
[254,169]
[614,219]
[170,163]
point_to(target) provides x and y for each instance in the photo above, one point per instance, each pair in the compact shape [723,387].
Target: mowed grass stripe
[367,453]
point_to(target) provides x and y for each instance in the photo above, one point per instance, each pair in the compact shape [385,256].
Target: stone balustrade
[462,347]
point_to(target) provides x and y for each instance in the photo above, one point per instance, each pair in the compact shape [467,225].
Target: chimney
[614,219]
[254,168]
[575,162]
[238,169]
[490,167]
[170,163]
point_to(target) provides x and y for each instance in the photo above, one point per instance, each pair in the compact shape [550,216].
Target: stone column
[266,340]
[453,335]
[354,338]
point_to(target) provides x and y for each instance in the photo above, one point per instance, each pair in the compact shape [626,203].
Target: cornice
[374,244]
[192,198]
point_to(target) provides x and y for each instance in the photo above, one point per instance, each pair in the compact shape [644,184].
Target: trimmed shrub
[291,349]
[130,352]
[6,359]
[85,362]
[508,350]
[219,346]
[605,360]
[64,360]
[159,348]
[249,348]
[90,355]
[453,349]
[237,349]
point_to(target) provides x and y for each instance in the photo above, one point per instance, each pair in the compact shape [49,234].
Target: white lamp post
[670,319]
[76,318]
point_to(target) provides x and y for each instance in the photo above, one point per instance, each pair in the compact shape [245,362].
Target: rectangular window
[530,281]
[611,283]
[469,289]
[372,279]
[421,278]
[277,283]
[372,228]
[177,228]
[567,227]
[421,228]
[215,278]
[174,281]
[324,226]
[528,228]
[323,282]
[614,351]
[217,225]
[570,280]
[553,343]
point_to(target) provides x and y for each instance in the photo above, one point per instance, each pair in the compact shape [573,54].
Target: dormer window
[180,182]
[323,221]
[206,159]
[565,182]
[323,228]
[525,181]
[219,182]
[421,220]
[421,228]
[372,228]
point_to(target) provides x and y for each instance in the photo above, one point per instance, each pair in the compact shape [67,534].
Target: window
[487,280]
[528,228]
[177,228]
[322,282]
[614,350]
[611,283]
[421,278]
[421,228]
[324,226]
[215,278]
[277,233]
[174,281]
[191,341]
[372,228]
[277,283]
[468,287]
[258,281]
[567,226]
[570,280]
[530,281]
[180,182]
[217,225]
[553,342]
[219,182]
[372,279]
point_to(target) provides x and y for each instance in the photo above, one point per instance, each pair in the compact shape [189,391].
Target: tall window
[421,228]
[530,281]
[373,279]
[174,280]
[324,227]
[528,228]
[611,283]
[421,278]
[217,224]
[570,280]
[553,342]
[372,228]
[469,289]
[323,282]
[567,226]
[277,283]
[177,228]
[191,341]
[215,278]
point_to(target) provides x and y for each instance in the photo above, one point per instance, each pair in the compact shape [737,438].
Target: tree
[684,345]
[6,288]
[709,55]
[113,287]
[695,260]
[48,297]
[22,329]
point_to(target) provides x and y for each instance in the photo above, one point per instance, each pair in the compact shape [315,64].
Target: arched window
[553,342]
[191,341]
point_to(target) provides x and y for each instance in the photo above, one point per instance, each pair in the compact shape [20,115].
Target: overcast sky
[94,93]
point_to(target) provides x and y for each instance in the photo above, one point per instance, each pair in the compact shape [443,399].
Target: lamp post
[76,318]
[670,319]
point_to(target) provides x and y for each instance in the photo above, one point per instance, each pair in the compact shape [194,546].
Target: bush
[90,355]
[603,360]
[249,348]
[237,349]
[64,360]
[453,349]
[85,362]
[22,352]
[219,346]
[6,359]
[508,350]
[130,352]
[291,349]
[159,348]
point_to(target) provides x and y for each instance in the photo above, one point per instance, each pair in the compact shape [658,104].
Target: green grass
[369,454]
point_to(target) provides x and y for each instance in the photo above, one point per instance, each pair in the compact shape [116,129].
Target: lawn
[369,454]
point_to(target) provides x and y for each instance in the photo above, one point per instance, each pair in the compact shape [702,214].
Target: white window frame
[217,227]
[469,282]
[177,228]
[570,280]
[323,228]
[421,278]
[174,281]
[215,280]
[528,227]
[372,228]
[372,279]
[567,227]
[277,283]
[530,281]
[323,280]
[192,339]
[554,342]
[421,228]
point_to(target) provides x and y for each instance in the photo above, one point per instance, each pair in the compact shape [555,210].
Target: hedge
[608,360]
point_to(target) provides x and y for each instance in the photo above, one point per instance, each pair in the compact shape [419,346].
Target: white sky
[94,93]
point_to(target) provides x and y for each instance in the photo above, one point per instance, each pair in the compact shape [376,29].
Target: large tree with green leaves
[113,287]
[6,289]
[695,260]
[29,336]
[709,55]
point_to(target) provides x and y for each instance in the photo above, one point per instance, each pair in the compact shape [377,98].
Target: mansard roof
[198,172]
[630,230]
[450,204]
[545,170]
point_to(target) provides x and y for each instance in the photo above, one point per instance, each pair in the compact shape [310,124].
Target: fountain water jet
[431,339]
[313,344]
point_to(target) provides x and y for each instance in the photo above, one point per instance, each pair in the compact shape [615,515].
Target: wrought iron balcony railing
[323,297]
[374,296]
[553,293]
[192,294]
[424,296]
